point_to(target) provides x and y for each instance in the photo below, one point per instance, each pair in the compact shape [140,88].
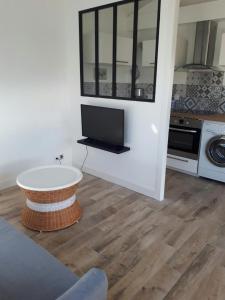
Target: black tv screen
[103,124]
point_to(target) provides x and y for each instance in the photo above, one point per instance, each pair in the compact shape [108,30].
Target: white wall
[143,168]
[39,78]
[34,104]
[200,12]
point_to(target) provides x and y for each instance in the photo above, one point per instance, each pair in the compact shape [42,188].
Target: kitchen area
[197,125]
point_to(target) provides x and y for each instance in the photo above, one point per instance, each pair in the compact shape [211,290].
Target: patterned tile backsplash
[123,90]
[203,93]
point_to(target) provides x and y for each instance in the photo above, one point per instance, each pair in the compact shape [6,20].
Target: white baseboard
[139,189]
[121,182]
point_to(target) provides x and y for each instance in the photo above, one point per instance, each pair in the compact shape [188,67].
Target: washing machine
[212,151]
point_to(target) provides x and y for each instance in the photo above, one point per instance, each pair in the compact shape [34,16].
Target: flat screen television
[103,124]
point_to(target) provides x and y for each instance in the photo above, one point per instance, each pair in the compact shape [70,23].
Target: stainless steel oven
[184,137]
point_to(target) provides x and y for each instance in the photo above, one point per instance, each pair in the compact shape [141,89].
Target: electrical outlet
[59,157]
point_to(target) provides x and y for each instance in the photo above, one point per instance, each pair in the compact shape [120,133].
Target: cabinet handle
[122,61]
[183,130]
[179,159]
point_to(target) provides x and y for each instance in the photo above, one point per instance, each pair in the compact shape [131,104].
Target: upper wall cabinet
[148,53]
[222,51]
[118,50]
[181,52]
[124,49]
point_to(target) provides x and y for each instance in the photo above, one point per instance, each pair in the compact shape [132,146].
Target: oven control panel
[186,122]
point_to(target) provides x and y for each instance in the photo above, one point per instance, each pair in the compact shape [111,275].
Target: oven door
[184,141]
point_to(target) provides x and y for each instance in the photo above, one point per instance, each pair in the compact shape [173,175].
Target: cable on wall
[85,159]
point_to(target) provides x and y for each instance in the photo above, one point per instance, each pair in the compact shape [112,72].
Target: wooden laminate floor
[150,250]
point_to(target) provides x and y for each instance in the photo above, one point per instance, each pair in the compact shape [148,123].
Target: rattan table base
[50,210]
[51,201]
[51,221]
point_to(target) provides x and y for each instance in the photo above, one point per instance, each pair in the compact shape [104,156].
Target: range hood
[205,41]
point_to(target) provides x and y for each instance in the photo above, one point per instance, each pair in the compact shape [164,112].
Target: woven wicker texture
[51,221]
[50,196]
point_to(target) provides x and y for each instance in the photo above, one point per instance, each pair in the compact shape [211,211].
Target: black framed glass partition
[105,40]
[124,49]
[146,49]
[88,40]
[119,49]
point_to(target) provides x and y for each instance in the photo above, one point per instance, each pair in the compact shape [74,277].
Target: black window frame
[115,5]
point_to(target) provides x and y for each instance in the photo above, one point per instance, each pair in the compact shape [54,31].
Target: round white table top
[49,178]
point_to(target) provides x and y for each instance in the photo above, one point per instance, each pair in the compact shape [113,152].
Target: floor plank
[173,249]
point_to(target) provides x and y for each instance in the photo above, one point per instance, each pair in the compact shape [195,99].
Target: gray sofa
[27,271]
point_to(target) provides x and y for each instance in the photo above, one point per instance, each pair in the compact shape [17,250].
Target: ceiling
[192,2]
[143,3]
[128,9]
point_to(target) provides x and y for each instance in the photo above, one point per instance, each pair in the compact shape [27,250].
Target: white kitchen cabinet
[148,54]
[184,165]
[124,49]
[105,48]
[181,52]
[149,48]
[222,51]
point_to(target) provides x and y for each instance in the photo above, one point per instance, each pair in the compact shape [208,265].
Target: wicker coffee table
[51,197]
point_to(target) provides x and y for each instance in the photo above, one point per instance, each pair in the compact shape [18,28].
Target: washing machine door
[215,151]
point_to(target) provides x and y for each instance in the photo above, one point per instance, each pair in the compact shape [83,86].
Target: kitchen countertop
[213,117]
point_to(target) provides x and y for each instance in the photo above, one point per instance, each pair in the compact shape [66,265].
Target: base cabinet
[182,164]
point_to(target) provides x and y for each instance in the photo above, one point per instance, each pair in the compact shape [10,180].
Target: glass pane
[88,22]
[125,20]
[105,51]
[146,49]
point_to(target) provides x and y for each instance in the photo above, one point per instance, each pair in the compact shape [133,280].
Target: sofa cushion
[27,271]
[92,286]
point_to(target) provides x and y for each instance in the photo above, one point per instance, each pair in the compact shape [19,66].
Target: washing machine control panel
[214,128]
